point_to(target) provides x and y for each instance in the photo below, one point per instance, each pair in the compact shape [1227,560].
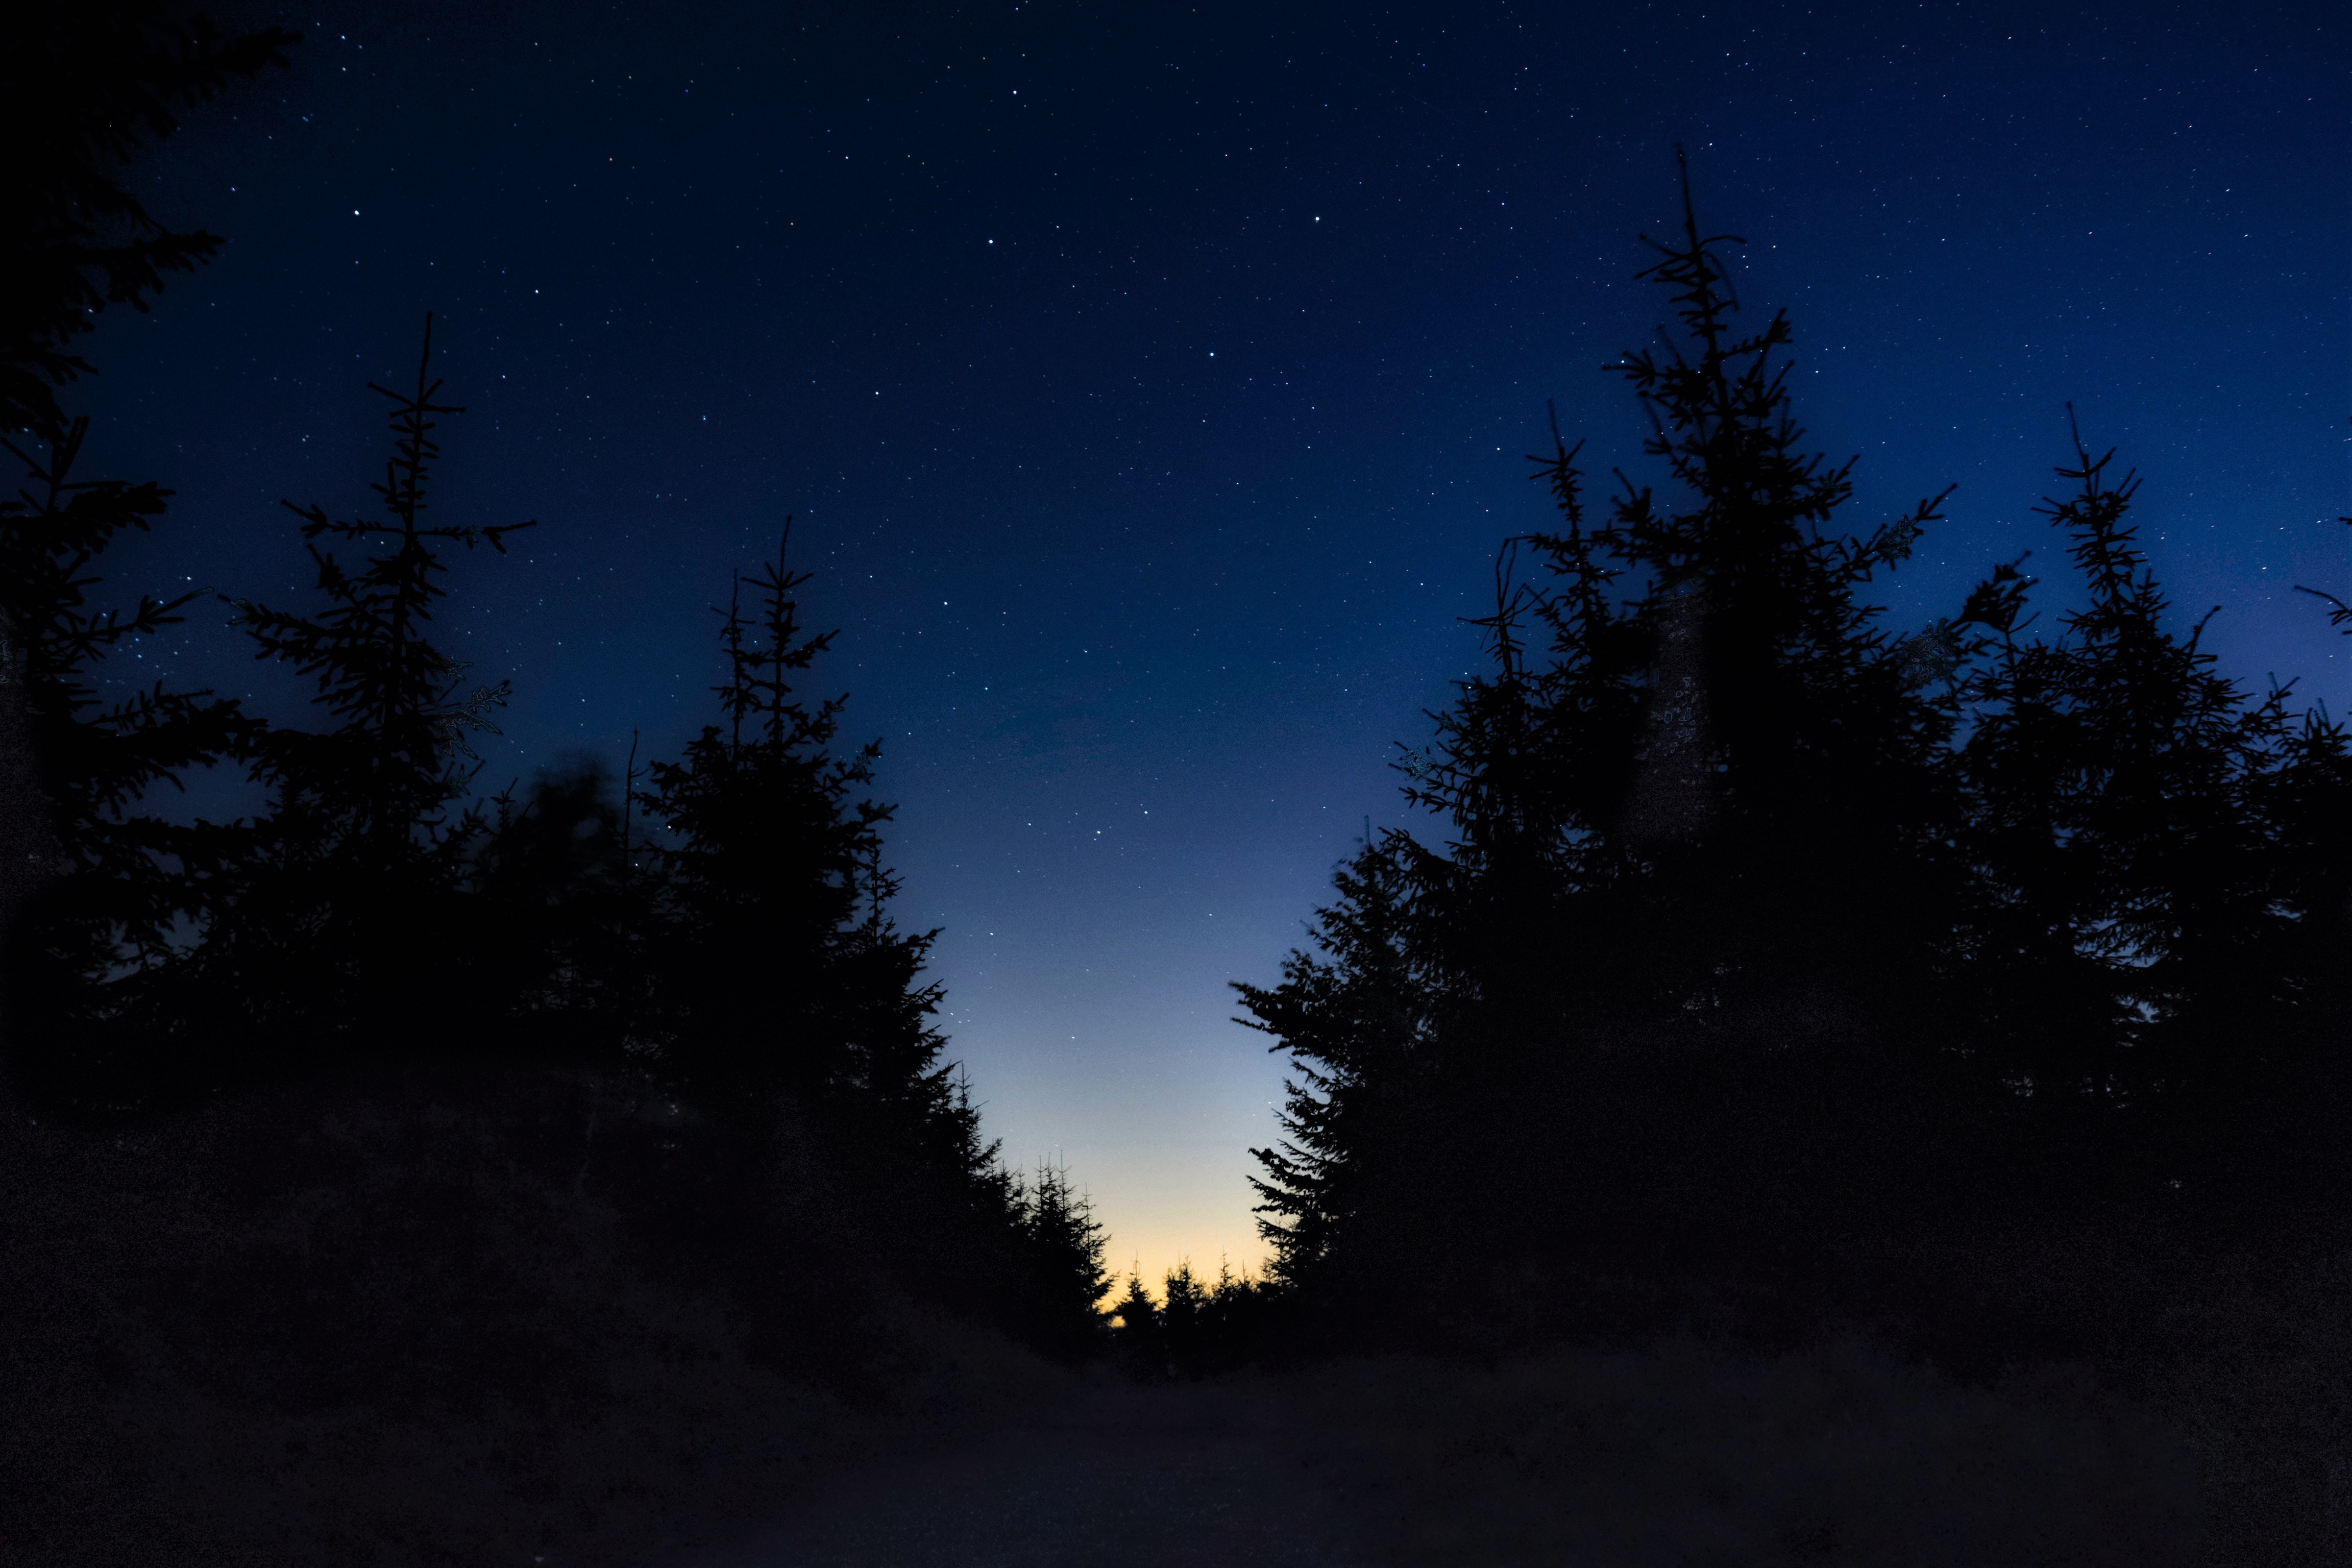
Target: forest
[1753,975]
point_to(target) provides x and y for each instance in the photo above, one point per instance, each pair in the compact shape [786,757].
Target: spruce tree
[776,973]
[780,995]
[1781,802]
[780,970]
[1183,1307]
[1701,764]
[97,888]
[1356,1022]
[1062,1257]
[109,884]
[341,931]
[1700,778]
[1745,905]
[1138,1336]
[82,88]
[2157,902]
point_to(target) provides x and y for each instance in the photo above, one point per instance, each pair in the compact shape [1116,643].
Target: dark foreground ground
[1673,1457]
[500,1330]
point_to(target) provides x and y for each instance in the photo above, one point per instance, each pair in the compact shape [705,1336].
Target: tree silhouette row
[718,925]
[1745,909]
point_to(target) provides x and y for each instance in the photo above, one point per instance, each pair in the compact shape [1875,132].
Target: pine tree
[1355,1024]
[1138,1333]
[1700,778]
[96,888]
[1782,801]
[1062,1259]
[780,993]
[108,883]
[1719,778]
[1183,1310]
[82,88]
[780,970]
[2157,877]
[341,930]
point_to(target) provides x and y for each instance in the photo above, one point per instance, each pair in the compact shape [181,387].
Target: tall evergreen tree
[111,884]
[341,930]
[1699,776]
[777,977]
[1062,1244]
[1137,1335]
[97,886]
[2156,904]
[1714,775]
[1782,801]
[1357,1022]
[1744,901]
[82,86]
[780,970]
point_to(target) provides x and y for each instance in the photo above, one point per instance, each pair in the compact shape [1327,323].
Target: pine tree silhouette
[1138,1338]
[1183,1308]
[1749,912]
[2158,889]
[82,86]
[1700,778]
[1064,1245]
[1782,798]
[108,883]
[96,889]
[780,969]
[777,976]
[1713,776]
[1355,1024]
[341,930]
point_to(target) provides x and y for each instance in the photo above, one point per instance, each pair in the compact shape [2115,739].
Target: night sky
[1150,386]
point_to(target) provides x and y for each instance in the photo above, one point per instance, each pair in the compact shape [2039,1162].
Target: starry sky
[1150,386]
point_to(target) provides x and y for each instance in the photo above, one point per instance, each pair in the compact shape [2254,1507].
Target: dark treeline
[406,1171]
[1758,935]
[1198,1327]
[683,987]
